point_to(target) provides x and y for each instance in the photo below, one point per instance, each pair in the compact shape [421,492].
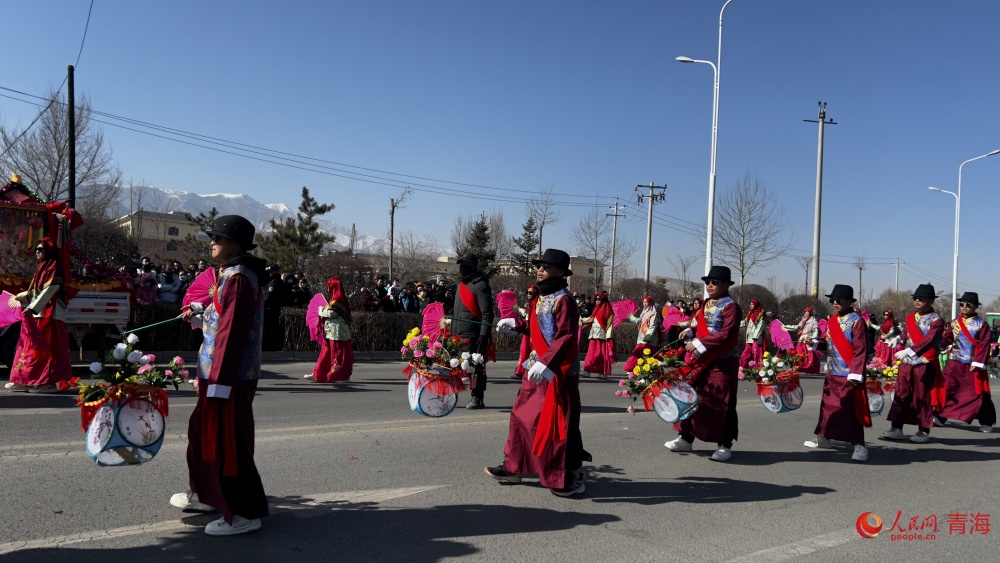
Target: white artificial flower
[762,372]
[770,372]
[766,363]
[119,351]
[471,369]
[781,364]
[96,367]
[765,380]
[466,355]
[132,339]
[465,365]
[478,358]
[143,360]
[642,382]
[134,356]
[454,362]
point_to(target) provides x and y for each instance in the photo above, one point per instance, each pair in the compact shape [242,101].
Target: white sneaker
[188,502]
[860,453]
[986,428]
[819,442]
[240,525]
[920,437]
[722,454]
[16,387]
[893,434]
[678,445]
[308,376]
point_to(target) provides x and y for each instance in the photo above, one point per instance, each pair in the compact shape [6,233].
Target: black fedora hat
[925,291]
[470,259]
[720,273]
[556,258]
[236,228]
[969,297]
[842,291]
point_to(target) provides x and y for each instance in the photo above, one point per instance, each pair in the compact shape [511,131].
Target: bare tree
[750,229]
[806,263]
[681,265]
[41,155]
[414,256]
[594,241]
[860,262]
[543,209]
[394,204]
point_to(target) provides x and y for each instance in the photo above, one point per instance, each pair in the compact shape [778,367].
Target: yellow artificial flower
[647,352]
[636,370]
[639,362]
[767,354]
[645,368]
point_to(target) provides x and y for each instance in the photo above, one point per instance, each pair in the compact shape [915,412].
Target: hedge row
[372,332]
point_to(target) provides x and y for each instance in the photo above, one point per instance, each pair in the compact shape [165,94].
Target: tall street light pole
[819,196]
[717,70]
[954,271]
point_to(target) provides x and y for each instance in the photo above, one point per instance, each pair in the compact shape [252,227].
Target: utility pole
[614,244]
[819,195]
[897,274]
[656,194]
[395,203]
[71,110]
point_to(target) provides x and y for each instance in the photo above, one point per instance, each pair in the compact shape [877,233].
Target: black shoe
[502,475]
[575,487]
[475,404]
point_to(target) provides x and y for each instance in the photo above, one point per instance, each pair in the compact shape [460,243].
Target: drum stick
[177,318]
[453,319]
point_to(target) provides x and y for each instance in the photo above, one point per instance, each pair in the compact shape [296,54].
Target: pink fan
[9,314]
[433,314]
[673,317]
[506,300]
[200,289]
[822,328]
[313,318]
[780,336]
[623,309]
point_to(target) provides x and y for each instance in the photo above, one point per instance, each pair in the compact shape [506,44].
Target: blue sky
[584,97]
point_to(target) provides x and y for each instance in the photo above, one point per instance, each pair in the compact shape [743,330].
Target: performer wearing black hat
[967,383]
[844,414]
[716,363]
[221,469]
[544,436]
[474,302]
[919,387]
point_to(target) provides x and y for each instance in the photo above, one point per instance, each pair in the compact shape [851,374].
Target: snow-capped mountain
[166,200]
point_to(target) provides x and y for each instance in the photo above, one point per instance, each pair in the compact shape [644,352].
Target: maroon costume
[912,402]
[967,384]
[839,416]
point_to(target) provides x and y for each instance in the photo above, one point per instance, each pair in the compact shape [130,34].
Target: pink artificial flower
[414,342]
[630,410]
[418,353]
[150,358]
[196,385]
[185,374]
[621,383]
[169,373]
[178,361]
[404,350]
[144,369]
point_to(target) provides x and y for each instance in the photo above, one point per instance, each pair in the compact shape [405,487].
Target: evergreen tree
[525,247]
[294,242]
[194,248]
[477,242]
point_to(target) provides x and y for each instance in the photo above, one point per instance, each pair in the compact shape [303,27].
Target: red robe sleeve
[238,303]
[948,336]
[982,353]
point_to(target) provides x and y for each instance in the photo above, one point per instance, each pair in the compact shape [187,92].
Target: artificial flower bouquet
[440,359]
[650,373]
[776,374]
[879,376]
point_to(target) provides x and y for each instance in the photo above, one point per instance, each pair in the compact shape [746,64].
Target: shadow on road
[878,454]
[609,486]
[340,531]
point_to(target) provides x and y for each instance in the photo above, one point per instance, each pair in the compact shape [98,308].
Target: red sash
[861,410]
[552,420]
[982,381]
[472,304]
[699,364]
[938,392]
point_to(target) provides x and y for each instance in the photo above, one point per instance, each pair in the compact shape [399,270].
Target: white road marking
[309,507]
[799,548]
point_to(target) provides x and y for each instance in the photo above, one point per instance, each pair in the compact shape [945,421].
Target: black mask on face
[466,269]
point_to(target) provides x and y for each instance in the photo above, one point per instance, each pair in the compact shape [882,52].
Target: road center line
[798,549]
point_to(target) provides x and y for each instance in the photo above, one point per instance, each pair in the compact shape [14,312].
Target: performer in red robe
[42,357]
[843,413]
[716,362]
[336,355]
[544,437]
[920,385]
[601,351]
[525,350]
[888,339]
[649,332]
[967,383]
[222,472]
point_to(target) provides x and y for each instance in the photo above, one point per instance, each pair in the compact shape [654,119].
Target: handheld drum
[126,432]
[676,401]
[427,402]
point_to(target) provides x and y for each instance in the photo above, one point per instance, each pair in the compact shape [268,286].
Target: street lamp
[954,271]
[716,69]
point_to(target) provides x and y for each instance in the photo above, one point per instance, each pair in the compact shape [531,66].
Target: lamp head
[690,60]
[994,152]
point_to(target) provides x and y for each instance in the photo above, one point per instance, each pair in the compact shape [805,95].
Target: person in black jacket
[275,297]
[474,302]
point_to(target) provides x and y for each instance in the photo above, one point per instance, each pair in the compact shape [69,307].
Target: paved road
[354,476]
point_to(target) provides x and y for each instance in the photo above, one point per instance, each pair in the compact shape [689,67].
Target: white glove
[686,334]
[197,322]
[901,354]
[507,326]
[539,372]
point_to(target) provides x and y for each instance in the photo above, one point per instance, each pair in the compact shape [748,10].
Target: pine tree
[525,247]
[477,242]
[293,242]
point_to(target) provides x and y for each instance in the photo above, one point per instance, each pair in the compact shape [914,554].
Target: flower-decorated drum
[425,401]
[677,401]
[876,403]
[125,432]
[778,399]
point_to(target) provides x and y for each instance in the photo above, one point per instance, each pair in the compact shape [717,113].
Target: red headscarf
[48,266]
[889,322]
[755,311]
[336,299]
[603,311]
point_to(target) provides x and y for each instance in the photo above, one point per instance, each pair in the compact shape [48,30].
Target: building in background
[159,235]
